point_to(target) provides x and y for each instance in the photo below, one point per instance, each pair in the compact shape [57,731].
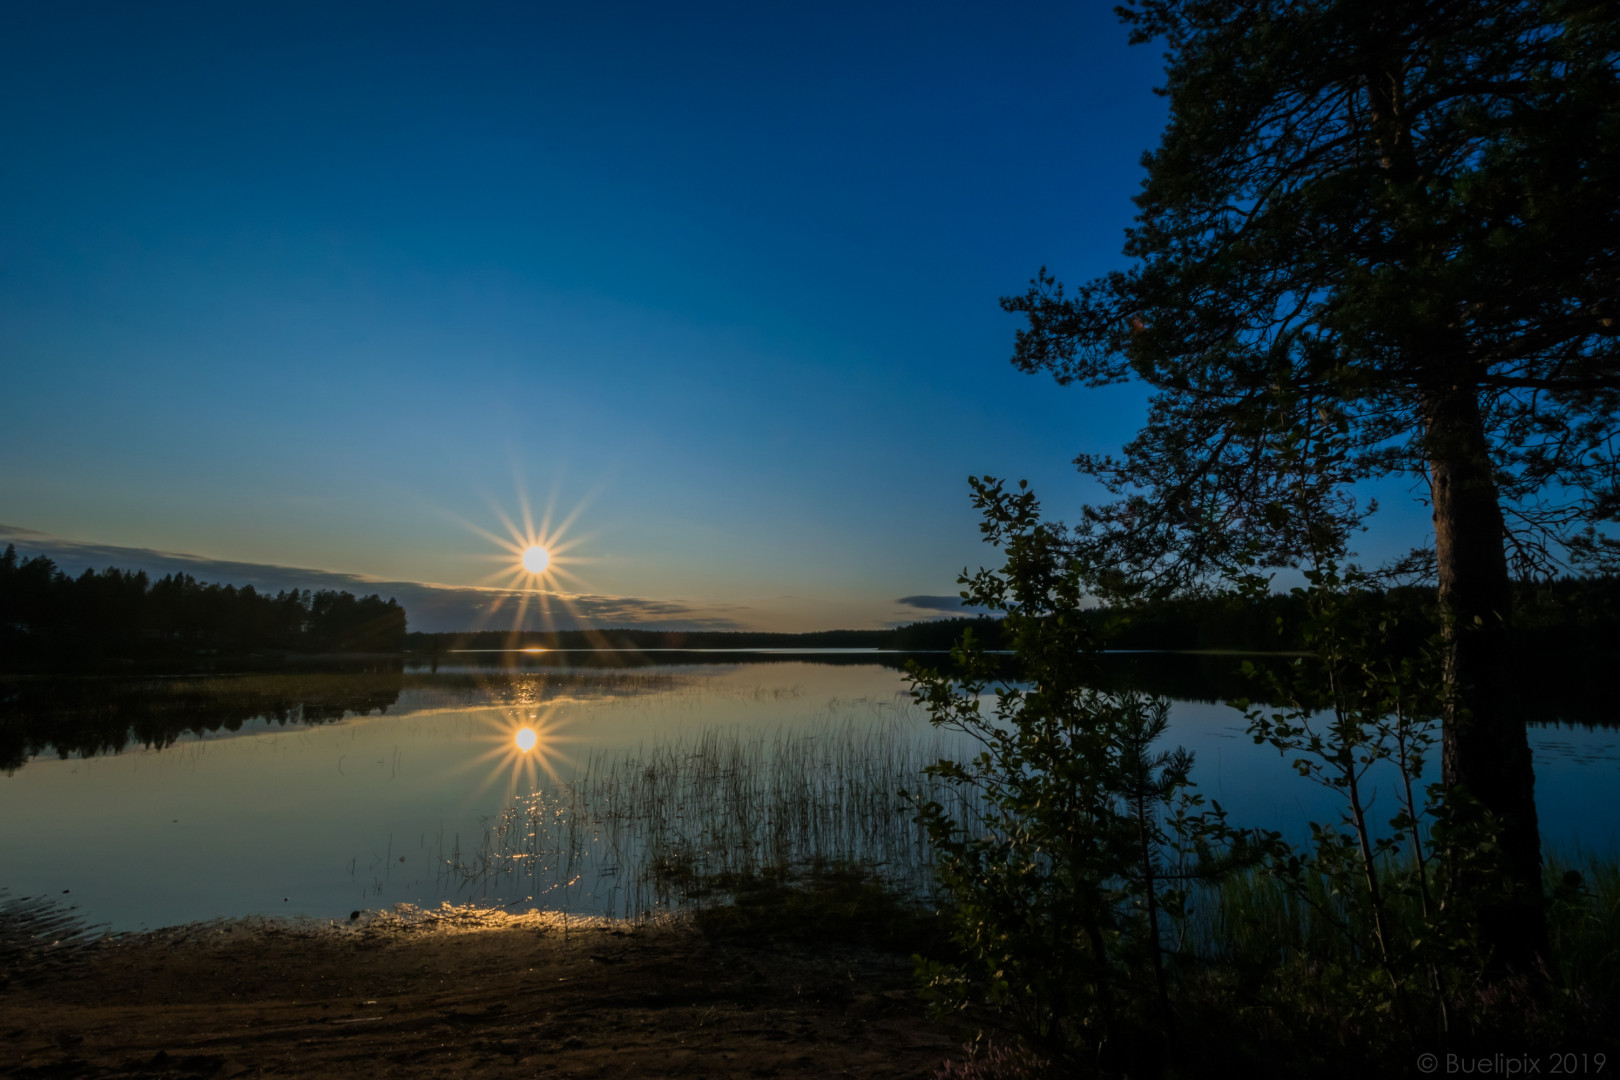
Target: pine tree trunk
[1485,752]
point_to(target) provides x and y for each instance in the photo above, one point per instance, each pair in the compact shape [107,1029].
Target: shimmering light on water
[368,812]
[377,809]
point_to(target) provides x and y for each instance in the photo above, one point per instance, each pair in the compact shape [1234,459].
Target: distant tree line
[43,609]
[629,638]
[1575,617]
[935,634]
[1568,616]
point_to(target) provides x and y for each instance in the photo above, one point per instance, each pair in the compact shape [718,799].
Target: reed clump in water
[665,826]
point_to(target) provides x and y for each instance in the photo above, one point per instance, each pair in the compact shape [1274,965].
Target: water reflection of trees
[86,717]
[1567,690]
[89,716]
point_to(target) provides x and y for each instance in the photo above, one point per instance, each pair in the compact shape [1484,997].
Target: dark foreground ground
[468,993]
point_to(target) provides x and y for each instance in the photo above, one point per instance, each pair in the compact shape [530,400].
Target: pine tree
[1385,229]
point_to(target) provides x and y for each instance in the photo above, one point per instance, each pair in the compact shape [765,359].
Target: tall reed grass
[654,828]
[1255,920]
[642,831]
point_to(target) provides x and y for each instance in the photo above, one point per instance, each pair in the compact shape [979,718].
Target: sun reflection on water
[534,584]
[524,742]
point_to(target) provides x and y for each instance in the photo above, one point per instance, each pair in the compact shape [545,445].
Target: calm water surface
[366,811]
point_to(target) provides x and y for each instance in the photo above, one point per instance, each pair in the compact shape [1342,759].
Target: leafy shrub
[1074,864]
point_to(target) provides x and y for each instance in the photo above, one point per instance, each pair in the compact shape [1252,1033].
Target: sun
[536,563]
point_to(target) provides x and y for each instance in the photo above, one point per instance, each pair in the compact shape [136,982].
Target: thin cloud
[952,604]
[431,607]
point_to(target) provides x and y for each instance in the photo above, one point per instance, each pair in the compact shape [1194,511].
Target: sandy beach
[466,992]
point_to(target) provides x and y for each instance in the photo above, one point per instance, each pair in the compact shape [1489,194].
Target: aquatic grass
[1254,918]
[677,822]
[1583,921]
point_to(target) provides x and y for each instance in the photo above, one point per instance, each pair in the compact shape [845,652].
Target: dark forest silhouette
[1578,617]
[45,612]
[938,634]
[1569,617]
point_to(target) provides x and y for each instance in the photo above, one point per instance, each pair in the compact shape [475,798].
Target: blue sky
[321,286]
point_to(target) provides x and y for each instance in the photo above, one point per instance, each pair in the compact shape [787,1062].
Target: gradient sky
[319,286]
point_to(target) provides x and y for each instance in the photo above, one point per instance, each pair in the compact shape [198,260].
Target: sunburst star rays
[535,564]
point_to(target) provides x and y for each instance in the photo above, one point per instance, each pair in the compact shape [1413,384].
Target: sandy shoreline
[467,992]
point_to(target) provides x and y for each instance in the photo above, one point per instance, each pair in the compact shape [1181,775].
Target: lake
[324,792]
